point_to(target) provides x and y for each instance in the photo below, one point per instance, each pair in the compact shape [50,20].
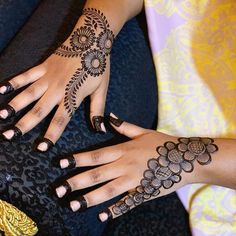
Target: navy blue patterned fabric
[25,175]
[13,15]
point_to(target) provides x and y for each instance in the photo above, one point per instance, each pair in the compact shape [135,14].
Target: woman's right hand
[78,68]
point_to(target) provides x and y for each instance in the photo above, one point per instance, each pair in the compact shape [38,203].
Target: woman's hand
[78,68]
[151,165]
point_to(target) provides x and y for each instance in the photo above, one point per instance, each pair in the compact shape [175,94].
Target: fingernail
[105,215]
[3,114]
[12,133]
[7,112]
[63,190]
[6,88]
[68,162]
[98,123]
[45,145]
[79,203]
[115,120]
[75,206]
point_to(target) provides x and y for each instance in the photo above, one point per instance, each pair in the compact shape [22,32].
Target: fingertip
[98,124]
[114,120]
[68,162]
[105,215]
[44,145]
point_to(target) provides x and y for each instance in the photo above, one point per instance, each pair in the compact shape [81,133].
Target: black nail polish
[67,186]
[109,214]
[97,121]
[83,203]
[115,121]
[72,162]
[8,86]
[10,110]
[48,142]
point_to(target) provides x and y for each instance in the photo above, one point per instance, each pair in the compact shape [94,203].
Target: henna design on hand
[92,43]
[165,170]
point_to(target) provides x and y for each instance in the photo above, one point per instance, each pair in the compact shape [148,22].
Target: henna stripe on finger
[68,162]
[165,170]
[98,121]
[79,204]
[7,112]
[44,145]
[115,120]
[6,88]
[105,215]
[12,133]
[63,189]
[92,43]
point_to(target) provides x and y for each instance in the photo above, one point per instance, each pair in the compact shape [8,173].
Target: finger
[29,95]
[33,117]
[123,206]
[97,107]
[23,79]
[125,128]
[55,129]
[93,158]
[102,194]
[91,178]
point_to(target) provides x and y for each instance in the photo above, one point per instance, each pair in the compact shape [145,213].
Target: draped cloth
[194,50]
[13,222]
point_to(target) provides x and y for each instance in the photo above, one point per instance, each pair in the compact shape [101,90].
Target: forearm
[103,16]
[222,168]
[117,12]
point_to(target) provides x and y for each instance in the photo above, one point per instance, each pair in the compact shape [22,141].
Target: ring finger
[29,95]
[90,178]
[32,118]
[103,194]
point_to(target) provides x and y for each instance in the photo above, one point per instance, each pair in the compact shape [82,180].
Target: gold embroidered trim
[13,222]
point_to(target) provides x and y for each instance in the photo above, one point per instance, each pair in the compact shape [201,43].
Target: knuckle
[95,156]
[37,111]
[59,121]
[95,176]
[31,91]
[110,191]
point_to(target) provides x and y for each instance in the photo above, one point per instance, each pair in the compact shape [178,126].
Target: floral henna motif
[92,43]
[164,171]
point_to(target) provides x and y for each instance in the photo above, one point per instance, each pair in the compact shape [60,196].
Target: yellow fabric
[13,222]
[196,70]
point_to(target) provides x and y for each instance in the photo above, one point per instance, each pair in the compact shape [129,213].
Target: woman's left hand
[151,165]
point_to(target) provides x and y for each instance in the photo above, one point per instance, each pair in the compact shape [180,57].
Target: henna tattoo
[10,111]
[164,171]
[17,134]
[115,121]
[83,203]
[92,43]
[8,87]
[97,121]
[48,142]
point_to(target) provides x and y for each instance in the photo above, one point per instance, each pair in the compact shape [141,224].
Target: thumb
[97,107]
[125,128]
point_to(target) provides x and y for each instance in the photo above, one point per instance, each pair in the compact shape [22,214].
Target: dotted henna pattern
[165,170]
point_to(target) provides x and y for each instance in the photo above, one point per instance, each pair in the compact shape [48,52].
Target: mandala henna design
[92,43]
[82,39]
[164,171]
[94,62]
